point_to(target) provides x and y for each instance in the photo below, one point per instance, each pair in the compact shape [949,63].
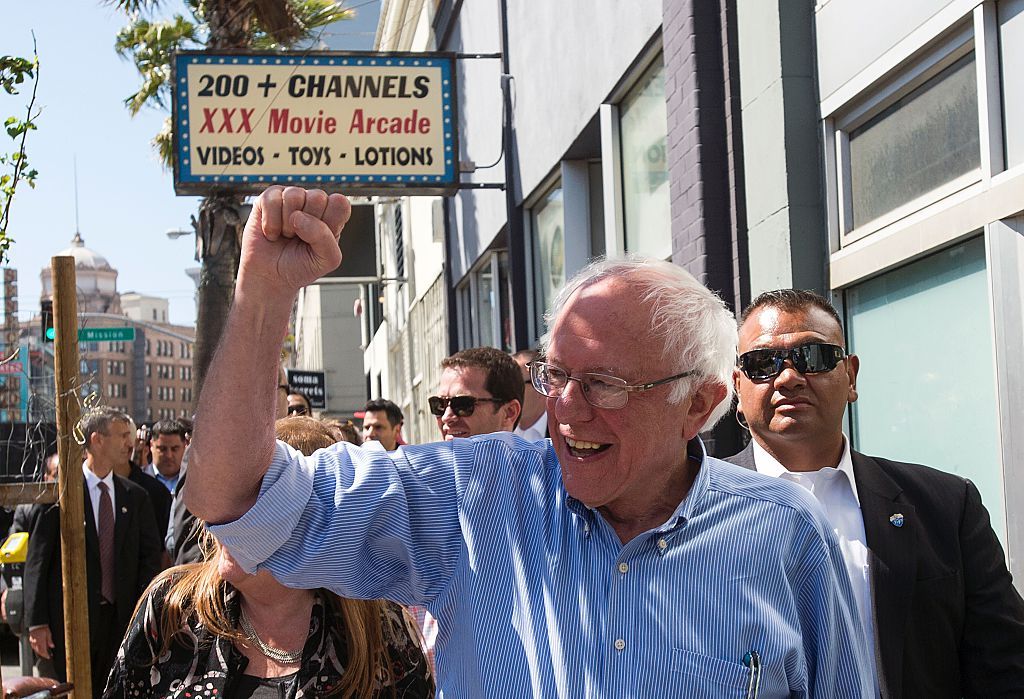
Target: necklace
[281,656]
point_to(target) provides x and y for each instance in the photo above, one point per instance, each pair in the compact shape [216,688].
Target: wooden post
[69,476]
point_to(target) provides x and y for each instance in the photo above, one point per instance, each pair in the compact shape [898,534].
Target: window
[399,242]
[643,124]
[548,230]
[924,140]
[485,308]
[1011,56]
[924,336]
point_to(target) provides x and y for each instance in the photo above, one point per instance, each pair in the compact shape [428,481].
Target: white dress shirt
[836,489]
[92,482]
[536,431]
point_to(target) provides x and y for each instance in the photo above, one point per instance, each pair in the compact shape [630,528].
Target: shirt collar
[537,428]
[93,480]
[696,454]
[767,464]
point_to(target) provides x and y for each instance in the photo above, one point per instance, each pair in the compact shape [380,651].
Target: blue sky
[126,199]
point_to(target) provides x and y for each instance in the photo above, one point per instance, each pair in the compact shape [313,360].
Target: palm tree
[216,25]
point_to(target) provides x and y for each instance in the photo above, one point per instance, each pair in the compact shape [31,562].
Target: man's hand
[291,238]
[41,641]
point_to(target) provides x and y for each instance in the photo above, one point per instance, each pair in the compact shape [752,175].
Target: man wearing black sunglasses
[928,573]
[481,391]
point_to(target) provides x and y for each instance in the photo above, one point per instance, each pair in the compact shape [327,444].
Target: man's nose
[572,405]
[790,375]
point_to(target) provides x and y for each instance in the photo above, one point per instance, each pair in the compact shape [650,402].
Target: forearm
[234,434]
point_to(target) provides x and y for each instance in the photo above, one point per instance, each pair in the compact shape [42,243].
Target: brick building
[149,377]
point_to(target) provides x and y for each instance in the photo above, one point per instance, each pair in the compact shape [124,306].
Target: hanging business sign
[367,123]
[311,384]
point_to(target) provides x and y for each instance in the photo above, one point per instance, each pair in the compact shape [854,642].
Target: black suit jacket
[159,497]
[137,549]
[948,621]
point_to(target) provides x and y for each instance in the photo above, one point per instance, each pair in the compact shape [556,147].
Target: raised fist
[291,239]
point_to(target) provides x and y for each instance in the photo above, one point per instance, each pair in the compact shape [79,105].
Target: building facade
[923,160]
[149,377]
[616,137]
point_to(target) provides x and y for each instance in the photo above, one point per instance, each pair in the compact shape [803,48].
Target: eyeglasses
[462,406]
[297,410]
[811,358]
[600,390]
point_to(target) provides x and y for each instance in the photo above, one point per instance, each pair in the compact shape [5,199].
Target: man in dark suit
[159,496]
[929,575]
[122,552]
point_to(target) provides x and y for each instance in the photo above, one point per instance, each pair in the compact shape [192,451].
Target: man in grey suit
[928,573]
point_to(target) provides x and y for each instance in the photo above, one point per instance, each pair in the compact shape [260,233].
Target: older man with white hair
[616,559]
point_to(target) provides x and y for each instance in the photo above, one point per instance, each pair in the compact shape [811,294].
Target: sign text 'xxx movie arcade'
[364,123]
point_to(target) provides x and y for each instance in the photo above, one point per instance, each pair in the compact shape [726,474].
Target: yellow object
[15,548]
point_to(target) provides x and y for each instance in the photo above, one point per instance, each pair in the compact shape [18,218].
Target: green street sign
[106,334]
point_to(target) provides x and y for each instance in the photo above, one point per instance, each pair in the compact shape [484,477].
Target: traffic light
[46,319]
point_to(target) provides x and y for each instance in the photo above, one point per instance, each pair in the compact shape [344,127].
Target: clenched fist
[291,239]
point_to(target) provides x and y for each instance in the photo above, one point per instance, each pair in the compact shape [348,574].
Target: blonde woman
[211,630]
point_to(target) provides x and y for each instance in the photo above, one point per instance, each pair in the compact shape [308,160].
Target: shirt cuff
[255,536]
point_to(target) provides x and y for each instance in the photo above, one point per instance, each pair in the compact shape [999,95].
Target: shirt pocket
[713,676]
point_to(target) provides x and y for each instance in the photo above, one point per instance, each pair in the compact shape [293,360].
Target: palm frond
[149,45]
[163,142]
[307,16]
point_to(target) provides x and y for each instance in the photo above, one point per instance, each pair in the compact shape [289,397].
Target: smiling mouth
[581,449]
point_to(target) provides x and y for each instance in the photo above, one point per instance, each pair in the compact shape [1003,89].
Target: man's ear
[852,367]
[703,401]
[510,411]
[736,388]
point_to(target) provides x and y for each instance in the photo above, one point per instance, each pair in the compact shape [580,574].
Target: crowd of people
[565,533]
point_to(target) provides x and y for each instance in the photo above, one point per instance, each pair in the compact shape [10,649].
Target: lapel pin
[124,511]
[897,520]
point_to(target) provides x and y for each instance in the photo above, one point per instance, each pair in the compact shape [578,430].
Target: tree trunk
[218,238]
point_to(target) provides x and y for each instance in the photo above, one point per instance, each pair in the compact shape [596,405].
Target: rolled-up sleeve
[361,522]
[284,494]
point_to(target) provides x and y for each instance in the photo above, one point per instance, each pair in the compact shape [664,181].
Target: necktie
[106,532]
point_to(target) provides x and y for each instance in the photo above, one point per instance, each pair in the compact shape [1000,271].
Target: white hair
[697,331]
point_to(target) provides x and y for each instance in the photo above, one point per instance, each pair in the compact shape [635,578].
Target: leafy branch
[13,72]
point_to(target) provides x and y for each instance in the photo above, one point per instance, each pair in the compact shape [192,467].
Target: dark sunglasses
[296,410]
[812,358]
[462,406]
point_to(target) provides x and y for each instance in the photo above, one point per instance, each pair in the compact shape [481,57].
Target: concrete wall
[787,237]
[851,34]
[560,77]
[327,339]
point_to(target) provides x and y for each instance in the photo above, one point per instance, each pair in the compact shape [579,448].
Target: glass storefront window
[1011,57]
[643,129]
[548,228]
[485,306]
[927,385]
[924,140]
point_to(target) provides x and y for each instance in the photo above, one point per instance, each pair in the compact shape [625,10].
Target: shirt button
[619,644]
[623,568]
[662,544]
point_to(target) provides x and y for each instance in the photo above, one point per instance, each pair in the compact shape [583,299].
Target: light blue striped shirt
[534,594]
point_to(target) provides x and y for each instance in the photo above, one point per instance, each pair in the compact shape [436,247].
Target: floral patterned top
[199,664]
